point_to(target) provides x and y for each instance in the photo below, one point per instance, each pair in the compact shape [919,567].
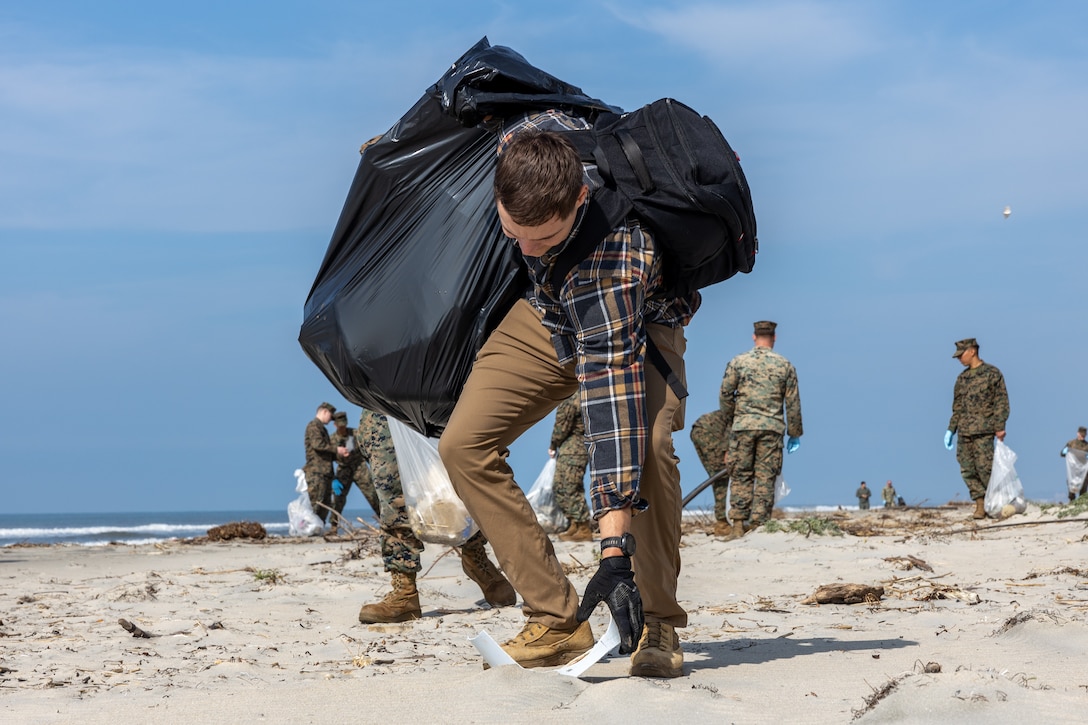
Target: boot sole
[648,670]
[407,617]
[555,660]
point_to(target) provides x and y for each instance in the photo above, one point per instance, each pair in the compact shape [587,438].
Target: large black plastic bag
[418,273]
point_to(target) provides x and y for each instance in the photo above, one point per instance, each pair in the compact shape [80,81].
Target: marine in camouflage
[320,454]
[400,546]
[352,469]
[711,441]
[760,401]
[980,408]
[571,459]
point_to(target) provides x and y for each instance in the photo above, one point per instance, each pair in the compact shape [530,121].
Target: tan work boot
[658,653]
[722,527]
[980,509]
[577,531]
[539,646]
[399,605]
[731,532]
[497,590]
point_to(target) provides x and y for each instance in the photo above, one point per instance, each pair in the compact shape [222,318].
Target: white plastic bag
[1005,488]
[436,513]
[301,519]
[1076,466]
[542,498]
[781,490]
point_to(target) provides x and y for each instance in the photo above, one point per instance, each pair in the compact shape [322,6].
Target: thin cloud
[763,37]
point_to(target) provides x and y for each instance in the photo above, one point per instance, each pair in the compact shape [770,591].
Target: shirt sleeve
[795,428]
[605,310]
[727,398]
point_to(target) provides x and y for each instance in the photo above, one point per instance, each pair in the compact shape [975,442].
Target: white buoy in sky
[1008,210]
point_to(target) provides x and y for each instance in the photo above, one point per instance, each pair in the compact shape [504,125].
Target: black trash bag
[418,272]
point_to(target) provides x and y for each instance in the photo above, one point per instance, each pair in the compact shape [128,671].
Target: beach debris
[938,591]
[238,530]
[133,629]
[930,668]
[806,526]
[845,594]
[908,562]
[878,694]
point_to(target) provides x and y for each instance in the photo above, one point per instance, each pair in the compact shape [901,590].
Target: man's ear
[583,194]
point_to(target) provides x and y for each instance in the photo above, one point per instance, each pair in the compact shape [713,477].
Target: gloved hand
[948,439]
[792,444]
[337,487]
[614,584]
[1065,450]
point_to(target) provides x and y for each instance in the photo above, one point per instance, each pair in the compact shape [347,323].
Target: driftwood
[133,629]
[237,530]
[845,594]
[908,562]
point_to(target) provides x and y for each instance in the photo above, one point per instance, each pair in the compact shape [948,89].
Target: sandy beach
[977,622]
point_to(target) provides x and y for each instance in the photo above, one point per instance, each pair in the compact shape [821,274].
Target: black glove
[614,584]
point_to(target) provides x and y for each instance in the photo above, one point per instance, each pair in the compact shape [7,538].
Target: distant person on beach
[757,387]
[980,409]
[711,441]
[320,454]
[1077,444]
[350,469]
[863,493]
[888,492]
[587,332]
[568,447]
[401,547]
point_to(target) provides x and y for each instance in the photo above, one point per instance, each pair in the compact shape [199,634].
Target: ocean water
[98,529]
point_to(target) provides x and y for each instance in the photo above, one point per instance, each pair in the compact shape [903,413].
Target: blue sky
[170,175]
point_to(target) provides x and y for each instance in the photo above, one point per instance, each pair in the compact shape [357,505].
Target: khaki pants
[515,382]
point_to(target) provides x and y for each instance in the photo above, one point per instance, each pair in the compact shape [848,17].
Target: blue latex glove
[337,487]
[948,439]
[792,444]
[1065,450]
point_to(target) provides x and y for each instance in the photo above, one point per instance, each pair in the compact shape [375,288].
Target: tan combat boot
[497,590]
[539,646]
[980,509]
[658,653]
[722,527]
[399,605]
[734,532]
[577,531]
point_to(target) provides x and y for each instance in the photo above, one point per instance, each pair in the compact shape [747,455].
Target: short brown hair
[538,177]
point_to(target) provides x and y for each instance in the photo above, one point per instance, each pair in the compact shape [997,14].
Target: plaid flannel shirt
[598,321]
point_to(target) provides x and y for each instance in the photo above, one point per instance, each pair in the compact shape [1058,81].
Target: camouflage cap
[765,327]
[964,344]
[340,416]
[327,406]
[1082,429]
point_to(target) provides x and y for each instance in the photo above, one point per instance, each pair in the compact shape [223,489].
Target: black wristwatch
[625,543]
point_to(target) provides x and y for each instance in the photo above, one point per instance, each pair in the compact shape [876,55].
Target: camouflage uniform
[711,440]
[400,546]
[756,385]
[980,408]
[888,492]
[571,458]
[320,453]
[352,469]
